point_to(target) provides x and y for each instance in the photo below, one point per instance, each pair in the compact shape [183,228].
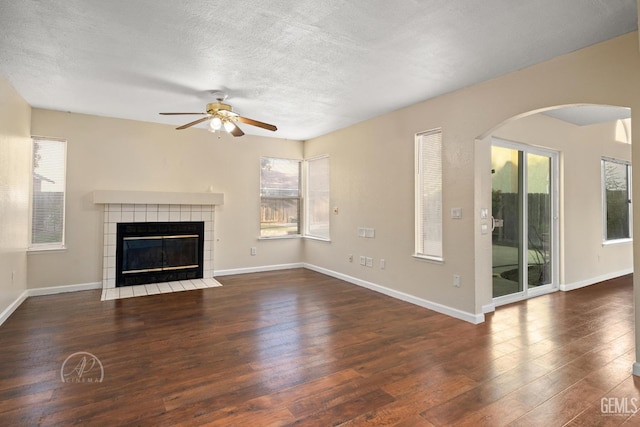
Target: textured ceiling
[309,67]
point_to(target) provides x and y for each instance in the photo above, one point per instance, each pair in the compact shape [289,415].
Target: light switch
[484,213]
[484,228]
[456,213]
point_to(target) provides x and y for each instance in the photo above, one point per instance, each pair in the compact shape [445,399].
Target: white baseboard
[260,269]
[12,307]
[62,289]
[488,308]
[440,308]
[594,280]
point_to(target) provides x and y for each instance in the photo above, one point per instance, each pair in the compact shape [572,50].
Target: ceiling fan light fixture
[228,125]
[218,115]
[216,123]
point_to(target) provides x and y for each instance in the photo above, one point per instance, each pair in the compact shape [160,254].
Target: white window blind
[48,193]
[428,154]
[317,198]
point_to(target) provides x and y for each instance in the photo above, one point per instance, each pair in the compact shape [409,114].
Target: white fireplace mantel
[156,197]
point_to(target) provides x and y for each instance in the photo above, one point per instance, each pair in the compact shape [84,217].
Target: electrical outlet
[456,280]
[363,260]
[370,233]
[253,251]
[383,264]
[369,262]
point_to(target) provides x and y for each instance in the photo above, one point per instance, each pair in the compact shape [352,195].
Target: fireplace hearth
[155,252]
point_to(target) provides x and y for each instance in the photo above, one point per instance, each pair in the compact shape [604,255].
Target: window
[428,186]
[317,210]
[48,193]
[279,197]
[616,196]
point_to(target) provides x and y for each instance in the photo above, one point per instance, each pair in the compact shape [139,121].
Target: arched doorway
[529,202]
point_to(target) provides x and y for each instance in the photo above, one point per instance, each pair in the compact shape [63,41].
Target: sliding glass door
[524,209]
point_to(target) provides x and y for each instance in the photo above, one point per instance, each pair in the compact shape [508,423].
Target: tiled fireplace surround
[133,206]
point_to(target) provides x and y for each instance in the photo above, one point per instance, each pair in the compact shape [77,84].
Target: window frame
[298,198]
[436,147]
[53,246]
[307,200]
[605,230]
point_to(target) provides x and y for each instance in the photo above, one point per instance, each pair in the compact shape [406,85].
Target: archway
[589,140]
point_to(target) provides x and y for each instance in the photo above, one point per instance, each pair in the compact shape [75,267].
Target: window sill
[616,242]
[291,236]
[46,249]
[433,259]
[320,239]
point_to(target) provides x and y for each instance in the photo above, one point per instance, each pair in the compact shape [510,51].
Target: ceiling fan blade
[193,123]
[236,131]
[257,123]
[181,114]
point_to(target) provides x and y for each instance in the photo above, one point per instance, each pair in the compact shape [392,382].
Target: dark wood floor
[299,348]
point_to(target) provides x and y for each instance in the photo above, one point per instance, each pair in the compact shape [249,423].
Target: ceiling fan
[222,116]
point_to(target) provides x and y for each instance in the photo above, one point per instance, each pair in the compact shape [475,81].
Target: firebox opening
[154,252]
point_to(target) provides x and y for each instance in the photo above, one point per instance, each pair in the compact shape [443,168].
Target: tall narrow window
[616,197]
[317,198]
[428,170]
[279,197]
[48,193]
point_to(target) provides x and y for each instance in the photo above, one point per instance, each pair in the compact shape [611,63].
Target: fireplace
[122,206]
[154,252]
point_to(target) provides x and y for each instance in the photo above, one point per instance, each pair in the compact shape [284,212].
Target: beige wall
[581,148]
[15,158]
[372,171]
[114,154]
